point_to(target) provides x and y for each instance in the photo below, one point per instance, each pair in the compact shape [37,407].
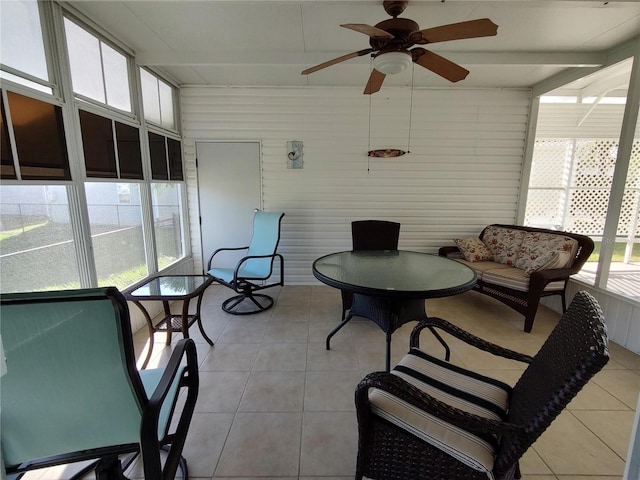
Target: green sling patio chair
[252,271]
[71,391]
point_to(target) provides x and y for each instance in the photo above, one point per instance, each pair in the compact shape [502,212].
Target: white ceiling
[268,43]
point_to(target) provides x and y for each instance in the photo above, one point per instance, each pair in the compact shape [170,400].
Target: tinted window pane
[84,59]
[150,100]
[21,45]
[97,144]
[175,158]
[40,139]
[115,216]
[7,169]
[36,239]
[129,155]
[25,82]
[158,157]
[166,104]
[116,78]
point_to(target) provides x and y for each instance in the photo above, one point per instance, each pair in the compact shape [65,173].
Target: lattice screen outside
[570,185]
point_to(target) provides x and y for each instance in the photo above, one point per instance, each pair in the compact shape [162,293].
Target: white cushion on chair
[467,391]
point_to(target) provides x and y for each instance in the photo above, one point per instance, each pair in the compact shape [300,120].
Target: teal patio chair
[71,391]
[252,271]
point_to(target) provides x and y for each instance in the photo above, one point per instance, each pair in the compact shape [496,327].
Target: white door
[229,194]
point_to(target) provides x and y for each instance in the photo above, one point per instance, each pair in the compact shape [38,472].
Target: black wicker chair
[464,425]
[367,235]
[370,235]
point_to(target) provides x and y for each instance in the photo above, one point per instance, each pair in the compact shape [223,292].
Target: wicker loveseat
[518,265]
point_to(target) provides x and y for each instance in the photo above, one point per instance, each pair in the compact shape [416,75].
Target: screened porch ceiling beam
[559,59]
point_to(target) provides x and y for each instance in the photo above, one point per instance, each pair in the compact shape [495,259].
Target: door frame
[198,221]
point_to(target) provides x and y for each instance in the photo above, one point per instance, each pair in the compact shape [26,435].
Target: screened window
[573,173]
[102,158]
[157,100]
[168,222]
[40,142]
[21,44]
[44,244]
[37,248]
[115,217]
[98,71]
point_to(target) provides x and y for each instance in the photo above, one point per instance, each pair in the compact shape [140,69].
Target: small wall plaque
[294,154]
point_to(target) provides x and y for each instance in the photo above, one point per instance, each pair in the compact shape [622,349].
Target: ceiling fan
[391,39]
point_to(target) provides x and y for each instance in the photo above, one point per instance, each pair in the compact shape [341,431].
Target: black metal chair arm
[249,257]
[150,417]
[402,389]
[436,322]
[222,250]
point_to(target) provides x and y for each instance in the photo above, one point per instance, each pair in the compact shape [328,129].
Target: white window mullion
[77,198]
[145,194]
[115,147]
[12,137]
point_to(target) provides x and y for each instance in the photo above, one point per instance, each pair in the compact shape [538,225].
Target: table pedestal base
[389,314]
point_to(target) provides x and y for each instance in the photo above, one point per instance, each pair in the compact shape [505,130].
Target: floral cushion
[542,251]
[473,249]
[504,243]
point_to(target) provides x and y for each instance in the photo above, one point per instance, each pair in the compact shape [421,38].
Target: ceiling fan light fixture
[391,63]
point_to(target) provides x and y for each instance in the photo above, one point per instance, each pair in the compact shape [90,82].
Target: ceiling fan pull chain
[413,71]
[369,144]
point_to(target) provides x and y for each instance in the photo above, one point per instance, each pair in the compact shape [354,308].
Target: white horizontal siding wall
[463,172]
[574,120]
[621,315]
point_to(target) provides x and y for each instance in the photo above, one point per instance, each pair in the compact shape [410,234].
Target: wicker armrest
[554,274]
[448,250]
[405,391]
[435,322]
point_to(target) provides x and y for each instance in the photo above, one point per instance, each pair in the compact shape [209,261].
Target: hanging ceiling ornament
[392,152]
[386,153]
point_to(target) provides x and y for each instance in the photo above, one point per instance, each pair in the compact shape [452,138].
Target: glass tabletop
[171,286]
[394,273]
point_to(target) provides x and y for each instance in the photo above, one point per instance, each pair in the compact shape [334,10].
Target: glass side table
[170,288]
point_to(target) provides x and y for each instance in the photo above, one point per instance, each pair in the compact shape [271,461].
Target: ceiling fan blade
[367,30]
[439,65]
[483,27]
[328,63]
[375,82]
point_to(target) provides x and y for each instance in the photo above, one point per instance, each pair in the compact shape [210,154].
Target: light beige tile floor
[273,403]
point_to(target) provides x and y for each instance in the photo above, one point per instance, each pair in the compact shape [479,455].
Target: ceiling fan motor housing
[400,28]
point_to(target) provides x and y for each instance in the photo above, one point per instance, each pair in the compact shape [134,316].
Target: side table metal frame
[172,322]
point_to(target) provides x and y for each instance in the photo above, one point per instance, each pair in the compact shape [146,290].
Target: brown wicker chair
[393,445]
[526,302]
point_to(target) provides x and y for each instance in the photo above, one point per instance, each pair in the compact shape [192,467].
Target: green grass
[618,252]
[18,231]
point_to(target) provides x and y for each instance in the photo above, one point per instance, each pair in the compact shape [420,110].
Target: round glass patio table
[389,286]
